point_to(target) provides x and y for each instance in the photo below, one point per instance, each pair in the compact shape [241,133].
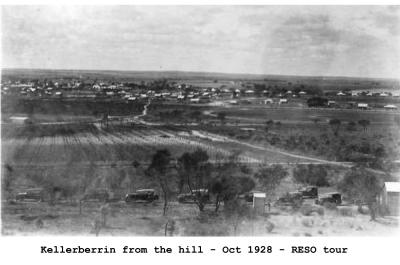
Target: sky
[361,41]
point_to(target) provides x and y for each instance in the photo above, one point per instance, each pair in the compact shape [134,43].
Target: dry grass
[147,220]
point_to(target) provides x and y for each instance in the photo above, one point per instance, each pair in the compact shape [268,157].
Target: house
[393,107]
[362,105]
[340,94]
[302,93]
[390,198]
[283,100]
[331,103]
[195,100]
[268,101]
[19,119]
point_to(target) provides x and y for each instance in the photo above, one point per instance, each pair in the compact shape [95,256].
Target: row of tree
[226,180]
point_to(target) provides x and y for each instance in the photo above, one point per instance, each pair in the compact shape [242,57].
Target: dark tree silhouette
[364,124]
[195,170]
[362,186]
[160,170]
[270,178]
[335,124]
[221,117]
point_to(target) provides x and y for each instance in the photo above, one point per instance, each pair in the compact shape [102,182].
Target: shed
[390,197]
[362,105]
[19,119]
[259,202]
[390,106]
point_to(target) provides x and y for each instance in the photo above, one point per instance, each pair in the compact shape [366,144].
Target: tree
[316,120]
[364,124]
[270,178]
[317,102]
[311,175]
[351,126]
[196,115]
[335,124]
[236,211]
[362,186]
[195,170]
[221,117]
[228,188]
[268,125]
[231,179]
[7,180]
[160,170]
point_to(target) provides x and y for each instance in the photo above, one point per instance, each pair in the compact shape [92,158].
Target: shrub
[346,211]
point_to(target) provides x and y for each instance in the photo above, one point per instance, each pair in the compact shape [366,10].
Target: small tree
[311,175]
[221,117]
[228,188]
[6,180]
[160,170]
[363,187]
[196,115]
[351,126]
[236,211]
[268,125]
[270,178]
[194,169]
[335,124]
[364,124]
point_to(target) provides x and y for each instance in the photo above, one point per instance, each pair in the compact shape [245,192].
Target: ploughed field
[117,146]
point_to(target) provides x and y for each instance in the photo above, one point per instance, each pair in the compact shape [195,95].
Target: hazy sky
[340,41]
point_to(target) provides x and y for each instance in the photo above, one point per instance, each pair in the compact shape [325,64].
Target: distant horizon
[199,72]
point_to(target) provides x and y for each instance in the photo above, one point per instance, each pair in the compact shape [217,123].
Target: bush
[308,210]
[346,211]
[269,226]
[330,205]
[307,222]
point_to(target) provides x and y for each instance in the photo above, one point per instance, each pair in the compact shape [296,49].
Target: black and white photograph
[200,120]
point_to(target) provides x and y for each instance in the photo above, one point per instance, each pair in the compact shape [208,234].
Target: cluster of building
[236,93]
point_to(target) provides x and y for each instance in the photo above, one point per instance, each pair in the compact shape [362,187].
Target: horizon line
[200,72]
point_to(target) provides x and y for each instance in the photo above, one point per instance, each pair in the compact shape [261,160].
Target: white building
[390,197]
[19,119]
[390,107]
[362,105]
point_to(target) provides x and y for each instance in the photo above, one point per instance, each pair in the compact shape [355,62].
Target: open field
[113,146]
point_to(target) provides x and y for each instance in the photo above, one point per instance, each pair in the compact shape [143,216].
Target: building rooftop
[392,186]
